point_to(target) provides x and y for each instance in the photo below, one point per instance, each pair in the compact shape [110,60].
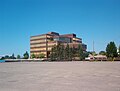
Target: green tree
[6,57]
[94,53]
[80,52]
[71,54]
[52,56]
[18,56]
[111,50]
[74,51]
[119,51]
[67,56]
[41,55]
[12,57]
[54,53]
[62,52]
[85,54]
[57,53]
[33,55]
[58,50]
[26,55]
[102,53]
[2,58]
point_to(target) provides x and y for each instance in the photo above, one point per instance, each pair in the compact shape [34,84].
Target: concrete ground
[60,76]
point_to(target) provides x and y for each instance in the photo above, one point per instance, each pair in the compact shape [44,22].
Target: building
[97,58]
[43,43]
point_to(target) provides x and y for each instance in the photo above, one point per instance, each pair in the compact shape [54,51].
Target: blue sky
[97,20]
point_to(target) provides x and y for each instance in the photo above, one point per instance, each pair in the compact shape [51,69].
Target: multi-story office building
[43,43]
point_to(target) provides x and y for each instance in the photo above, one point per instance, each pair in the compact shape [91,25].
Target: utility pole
[93,46]
[93,50]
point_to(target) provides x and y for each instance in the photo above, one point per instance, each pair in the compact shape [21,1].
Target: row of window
[37,37]
[40,49]
[39,45]
[37,53]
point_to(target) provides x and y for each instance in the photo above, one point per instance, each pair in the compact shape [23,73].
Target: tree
[85,54]
[80,52]
[26,55]
[58,52]
[74,51]
[111,50]
[52,57]
[102,53]
[33,55]
[12,57]
[71,54]
[18,56]
[94,53]
[6,57]
[41,55]
[119,51]
[67,56]
[2,58]
[62,52]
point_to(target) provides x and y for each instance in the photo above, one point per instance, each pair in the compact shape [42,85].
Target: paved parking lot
[60,76]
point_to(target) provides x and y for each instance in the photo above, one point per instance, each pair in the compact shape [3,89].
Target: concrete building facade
[43,43]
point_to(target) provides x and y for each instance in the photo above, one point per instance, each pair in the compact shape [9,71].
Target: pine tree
[80,52]
[111,50]
[67,56]
[58,52]
[18,56]
[26,55]
[74,51]
[41,55]
[62,52]
[12,57]
[53,53]
[119,51]
[32,55]
[70,54]
[102,53]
